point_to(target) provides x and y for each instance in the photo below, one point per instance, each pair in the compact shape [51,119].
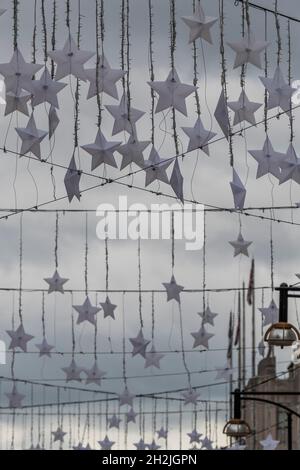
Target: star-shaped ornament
[269,443]
[72,180]
[132,152]
[248,50]
[94,375]
[270,314]
[173,290]
[162,433]
[268,160]
[114,422]
[58,435]
[172,93]
[70,60]
[176,181]
[190,396]
[44,348]
[53,121]
[280,93]
[206,444]
[15,398]
[222,115]
[80,446]
[106,444]
[107,79]
[194,436]
[153,446]
[125,120]
[155,168]
[238,190]
[56,283]
[201,338]
[19,338]
[102,151]
[131,416]
[45,90]
[208,316]
[140,445]
[108,308]
[240,246]
[31,138]
[153,358]
[225,372]
[86,312]
[199,137]
[126,398]
[199,25]
[244,109]
[290,167]
[18,73]
[72,372]
[17,102]
[139,344]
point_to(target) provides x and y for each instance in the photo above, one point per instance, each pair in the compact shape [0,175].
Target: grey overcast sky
[25,183]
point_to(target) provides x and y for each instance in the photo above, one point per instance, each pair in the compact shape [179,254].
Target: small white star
[56,283]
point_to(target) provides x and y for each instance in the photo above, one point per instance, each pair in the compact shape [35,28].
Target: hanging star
[107,79]
[290,167]
[56,283]
[132,152]
[72,372]
[140,445]
[53,121]
[155,168]
[15,398]
[17,102]
[125,119]
[153,358]
[240,246]
[31,138]
[225,372]
[45,348]
[45,90]
[70,60]
[199,137]
[72,180]
[244,109]
[162,433]
[58,435]
[248,50]
[139,345]
[80,446]
[94,375]
[86,312]
[222,116]
[206,443]
[269,443]
[108,308]
[102,151]
[201,338]
[173,290]
[114,422]
[153,446]
[199,25]
[176,181]
[18,73]
[106,444]
[131,416]
[172,93]
[238,191]
[194,436]
[19,338]
[280,93]
[208,316]
[190,396]
[126,398]
[270,314]
[268,160]
[261,348]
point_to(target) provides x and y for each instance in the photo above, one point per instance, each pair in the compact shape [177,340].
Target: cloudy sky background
[210,186]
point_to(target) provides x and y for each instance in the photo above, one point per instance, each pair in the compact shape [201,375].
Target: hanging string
[172,51]
[167,418]
[45,40]
[151,70]
[96,332]
[277,24]
[152,316]
[21,269]
[290,79]
[31,415]
[195,81]
[272,256]
[123,340]
[98,30]
[173,241]
[77,92]
[106,264]
[180,425]
[140,282]
[72,328]
[34,32]
[128,60]
[266,75]
[242,76]
[68,11]
[122,14]
[15,23]
[223,76]
[204,261]
[53,36]
[56,240]
[86,252]
[43,315]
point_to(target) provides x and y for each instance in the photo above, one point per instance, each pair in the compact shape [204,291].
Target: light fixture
[282,333]
[237,427]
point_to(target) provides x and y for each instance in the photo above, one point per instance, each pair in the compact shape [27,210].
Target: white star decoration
[162,433]
[106,444]
[18,73]
[19,338]
[107,79]
[72,180]
[194,436]
[199,25]
[139,345]
[124,121]
[244,109]
[17,102]
[15,398]
[270,314]
[153,358]
[86,312]
[240,246]
[58,435]
[94,375]
[199,137]
[248,50]
[45,90]
[201,338]
[238,191]
[208,316]
[31,138]
[155,168]
[290,167]
[56,283]
[102,151]
[173,290]
[190,396]
[132,152]
[114,422]
[153,446]
[280,93]
[72,372]
[131,416]
[269,443]
[206,443]
[140,445]
[108,308]
[126,398]
[268,160]
[45,348]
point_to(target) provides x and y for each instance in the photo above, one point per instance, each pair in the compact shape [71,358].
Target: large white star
[17,102]
[290,167]
[269,443]
[125,119]
[172,93]
[268,160]
[45,90]
[244,109]
[248,50]
[240,246]
[270,314]
[86,312]
[199,25]
[102,151]
[19,338]
[199,137]
[18,73]
[70,60]
[201,338]
[31,138]
[280,93]
[107,79]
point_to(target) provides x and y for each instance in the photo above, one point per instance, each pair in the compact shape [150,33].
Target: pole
[244,336]
[290,431]
[239,342]
[253,353]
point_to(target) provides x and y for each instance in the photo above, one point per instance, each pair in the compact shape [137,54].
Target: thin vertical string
[180,425]
[77,92]
[262,305]
[140,282]
[151,70]
[86,253]
[195,65]
[21,269]
[172,242]
[266,76]
[167,418]
[34,32]
[242,76]
[72,327]
[53,36]
[15,23]
[204,261]
[43,316]
[271,254]
[106,264]
[45,39]
[68,12]
[153,315]
[56,240]
[172,57]
[122,53]
[99,37]
[290,79]
[123,341]
[224,75]
[128,61]
[277,24]
[96,332]
[31,414]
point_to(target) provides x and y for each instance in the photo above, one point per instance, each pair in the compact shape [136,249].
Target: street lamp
[283,333]
[237,427]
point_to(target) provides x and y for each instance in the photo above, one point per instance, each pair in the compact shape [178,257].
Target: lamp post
[283,333]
